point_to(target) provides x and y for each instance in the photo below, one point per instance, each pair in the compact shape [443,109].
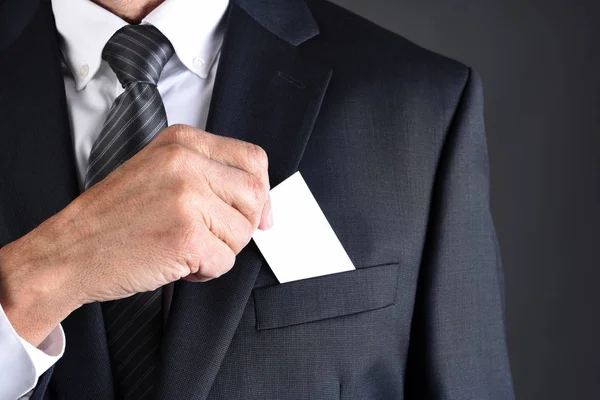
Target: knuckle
[246,232]
[190,248]
[204,143]
[255,196]
[184,205]
[174,133]
[209,266]
[206,268]
[258,191]
[234,230]
[241,235]
[168,135]
[257,157]
[185,241]
[173,156]
[217,263]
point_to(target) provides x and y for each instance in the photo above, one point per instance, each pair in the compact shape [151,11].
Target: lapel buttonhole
[299,84]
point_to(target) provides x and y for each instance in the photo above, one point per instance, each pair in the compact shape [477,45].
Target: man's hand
[183,207]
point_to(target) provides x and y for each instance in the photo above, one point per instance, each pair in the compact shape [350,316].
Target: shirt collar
[193,27]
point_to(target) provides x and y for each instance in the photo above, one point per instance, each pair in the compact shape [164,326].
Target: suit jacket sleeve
[458,343]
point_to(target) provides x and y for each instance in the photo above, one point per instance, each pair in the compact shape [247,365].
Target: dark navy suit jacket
[390,139]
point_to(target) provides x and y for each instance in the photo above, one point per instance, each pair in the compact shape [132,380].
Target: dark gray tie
[137,55]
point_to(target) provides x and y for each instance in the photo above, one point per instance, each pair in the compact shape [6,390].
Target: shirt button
[84,71]
[199,63]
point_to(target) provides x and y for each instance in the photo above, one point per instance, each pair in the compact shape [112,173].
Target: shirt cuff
[48,352]
[22,363]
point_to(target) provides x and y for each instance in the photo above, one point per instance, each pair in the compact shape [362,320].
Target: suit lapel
[37,169]
[38,179]
[268,94]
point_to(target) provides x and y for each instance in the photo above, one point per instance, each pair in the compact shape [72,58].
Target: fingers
[213,258]
[239,189]
[229,225]
[252,159]
[233,152]
[248,194]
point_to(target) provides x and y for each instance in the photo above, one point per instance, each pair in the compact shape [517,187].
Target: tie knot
[137,53]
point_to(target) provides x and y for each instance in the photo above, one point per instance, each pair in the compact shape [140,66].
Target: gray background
[540,64]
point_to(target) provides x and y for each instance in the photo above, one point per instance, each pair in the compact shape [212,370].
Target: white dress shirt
[195,29]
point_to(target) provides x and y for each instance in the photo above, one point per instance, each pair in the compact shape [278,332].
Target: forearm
[32,305]
[35,296]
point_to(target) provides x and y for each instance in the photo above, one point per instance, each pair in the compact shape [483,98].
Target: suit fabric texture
[390,139]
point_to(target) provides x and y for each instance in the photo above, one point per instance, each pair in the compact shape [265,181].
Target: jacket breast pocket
[324,297]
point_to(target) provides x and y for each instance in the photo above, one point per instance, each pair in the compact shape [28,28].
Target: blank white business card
[301,244]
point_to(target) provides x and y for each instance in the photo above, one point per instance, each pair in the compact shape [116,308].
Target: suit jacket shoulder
[382,68]
[363,45]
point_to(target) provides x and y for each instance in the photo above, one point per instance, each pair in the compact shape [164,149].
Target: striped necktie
[137,55]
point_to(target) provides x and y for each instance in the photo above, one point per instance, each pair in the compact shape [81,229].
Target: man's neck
[132,11]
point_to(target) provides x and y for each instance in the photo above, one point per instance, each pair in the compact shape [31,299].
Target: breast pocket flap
[324,297]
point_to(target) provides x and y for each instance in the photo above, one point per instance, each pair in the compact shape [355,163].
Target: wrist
[34,294]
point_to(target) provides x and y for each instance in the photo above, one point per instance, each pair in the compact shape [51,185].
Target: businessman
[139,140]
